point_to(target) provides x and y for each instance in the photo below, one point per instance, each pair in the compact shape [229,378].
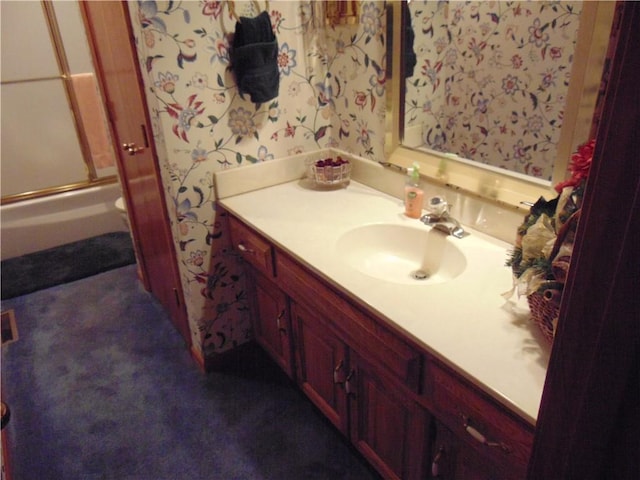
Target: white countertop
[465,321]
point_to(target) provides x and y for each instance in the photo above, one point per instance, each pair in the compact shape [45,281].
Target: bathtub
[33,225]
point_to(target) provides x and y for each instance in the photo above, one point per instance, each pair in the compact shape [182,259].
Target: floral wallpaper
[331,93]
[491,79]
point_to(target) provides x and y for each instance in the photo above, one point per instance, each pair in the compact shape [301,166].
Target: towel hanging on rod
[232,8]
[254,58]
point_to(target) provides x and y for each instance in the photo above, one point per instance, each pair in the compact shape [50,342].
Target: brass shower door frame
[93,179]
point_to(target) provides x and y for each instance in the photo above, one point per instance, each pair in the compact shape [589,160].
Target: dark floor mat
[66,263]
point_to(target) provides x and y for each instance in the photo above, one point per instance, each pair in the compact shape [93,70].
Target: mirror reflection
[491,81]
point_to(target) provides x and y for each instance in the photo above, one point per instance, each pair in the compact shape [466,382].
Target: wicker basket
[544,314]
[544,304]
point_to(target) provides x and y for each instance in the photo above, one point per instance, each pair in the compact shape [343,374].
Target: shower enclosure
[56,143]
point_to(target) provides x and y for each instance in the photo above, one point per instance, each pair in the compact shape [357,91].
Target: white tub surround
[32,225]
[465,321]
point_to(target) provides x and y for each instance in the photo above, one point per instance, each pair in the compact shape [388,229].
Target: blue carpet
[100,386]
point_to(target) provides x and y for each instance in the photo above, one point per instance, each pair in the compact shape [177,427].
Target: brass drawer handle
[244,249]
[347,383]
[478,436]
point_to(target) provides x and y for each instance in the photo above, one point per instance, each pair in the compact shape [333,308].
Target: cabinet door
[492,432]
[271,322]
[388,428]
[322,362]
[451,459]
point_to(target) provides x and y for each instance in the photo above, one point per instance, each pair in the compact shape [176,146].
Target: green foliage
[514,259]
[540,264]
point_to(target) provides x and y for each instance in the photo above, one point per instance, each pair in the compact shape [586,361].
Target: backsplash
[331,94]
[482,215]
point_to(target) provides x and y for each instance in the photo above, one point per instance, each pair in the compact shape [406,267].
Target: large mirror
[492,97]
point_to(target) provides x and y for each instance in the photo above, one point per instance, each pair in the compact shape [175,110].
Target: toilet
[122,210]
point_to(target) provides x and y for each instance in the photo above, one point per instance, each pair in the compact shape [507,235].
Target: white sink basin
[402,254]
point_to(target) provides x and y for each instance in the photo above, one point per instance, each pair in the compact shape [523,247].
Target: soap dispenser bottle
[413,194]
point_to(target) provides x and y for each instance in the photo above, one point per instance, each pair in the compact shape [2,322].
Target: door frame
[589,421]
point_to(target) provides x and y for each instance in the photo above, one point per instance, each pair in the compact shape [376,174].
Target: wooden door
[386,426]
[322,365]
[271,321]
[452,459]
[111,41]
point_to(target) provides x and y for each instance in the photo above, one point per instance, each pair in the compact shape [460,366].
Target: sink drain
[420,275]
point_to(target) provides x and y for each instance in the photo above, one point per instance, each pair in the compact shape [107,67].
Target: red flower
[581,161]
[556,52]
[212,9]
[361,99]
[290,131]
[186,116]
[579,165]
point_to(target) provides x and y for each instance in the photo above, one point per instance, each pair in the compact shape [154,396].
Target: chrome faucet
[440,218]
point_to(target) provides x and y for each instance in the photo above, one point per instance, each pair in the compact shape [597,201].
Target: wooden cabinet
[385,348]
[360,374]
[452,459]
[499,437]
[322,362]
[270,320]
[269,312]
[410,415]
[387,427]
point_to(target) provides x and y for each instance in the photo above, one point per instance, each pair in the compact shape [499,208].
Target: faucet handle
[438,206]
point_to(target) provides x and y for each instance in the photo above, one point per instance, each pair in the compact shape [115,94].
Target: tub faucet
[440,219]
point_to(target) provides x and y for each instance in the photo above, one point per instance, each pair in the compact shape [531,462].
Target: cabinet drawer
[253,248]
[367,335]
[491,430]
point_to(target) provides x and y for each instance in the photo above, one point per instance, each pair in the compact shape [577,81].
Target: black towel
[255,58]
[408,55]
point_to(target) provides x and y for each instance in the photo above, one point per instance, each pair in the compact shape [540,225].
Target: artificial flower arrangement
[544,243]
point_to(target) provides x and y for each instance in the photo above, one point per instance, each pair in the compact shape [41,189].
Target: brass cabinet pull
[244,249]
[336,372]
[435,464]
[481,438]
[279,324]
[347,383]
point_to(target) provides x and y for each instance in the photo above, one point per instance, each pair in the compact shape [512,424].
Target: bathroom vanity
[428,378]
